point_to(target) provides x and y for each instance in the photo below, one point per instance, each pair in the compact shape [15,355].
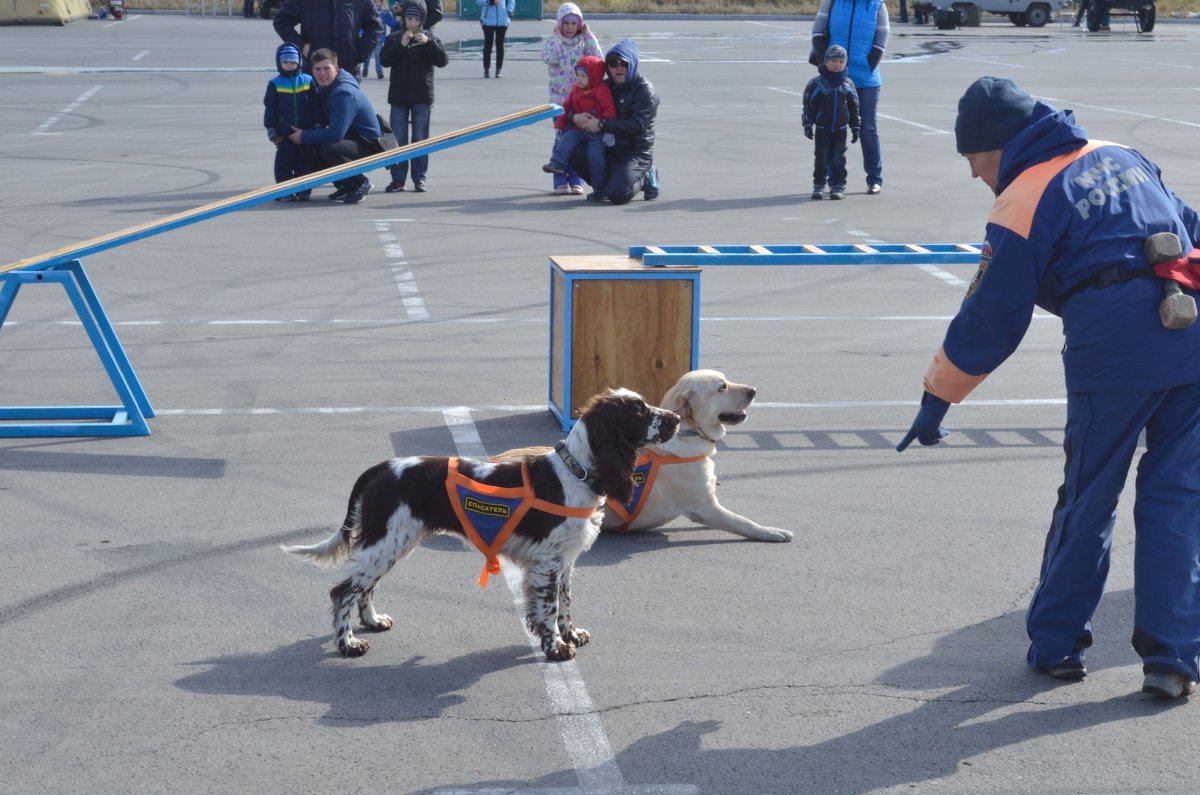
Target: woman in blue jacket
[1067,233]
[494,17]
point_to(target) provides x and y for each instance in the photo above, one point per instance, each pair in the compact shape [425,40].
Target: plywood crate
[616,323]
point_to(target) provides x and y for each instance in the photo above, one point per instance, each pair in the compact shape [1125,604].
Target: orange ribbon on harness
[509,503]
[645,472]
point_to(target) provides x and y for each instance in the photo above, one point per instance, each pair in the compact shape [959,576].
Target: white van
[949,14]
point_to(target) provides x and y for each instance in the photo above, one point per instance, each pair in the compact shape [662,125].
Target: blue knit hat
[289,52]
[990,114]
[835,52]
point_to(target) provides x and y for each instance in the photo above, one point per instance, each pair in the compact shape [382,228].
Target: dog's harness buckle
[489,514]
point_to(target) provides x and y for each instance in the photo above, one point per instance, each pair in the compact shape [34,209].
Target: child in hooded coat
[590,95]
[570,41]
[830,106]
[285,105]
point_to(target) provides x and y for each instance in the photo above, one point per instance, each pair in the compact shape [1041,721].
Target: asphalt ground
[154,639]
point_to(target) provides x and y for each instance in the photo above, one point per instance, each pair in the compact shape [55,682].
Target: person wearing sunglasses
[630,159]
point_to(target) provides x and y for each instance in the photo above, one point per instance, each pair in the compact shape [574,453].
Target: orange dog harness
[490,514]
[644,474]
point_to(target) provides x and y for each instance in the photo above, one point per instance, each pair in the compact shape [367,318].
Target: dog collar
[576,469]
[690,433]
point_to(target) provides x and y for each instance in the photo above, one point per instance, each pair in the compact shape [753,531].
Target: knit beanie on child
[990,114]
[568,9]
[835,52]
[289,52]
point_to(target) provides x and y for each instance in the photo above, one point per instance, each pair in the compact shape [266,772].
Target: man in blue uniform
[1066,234]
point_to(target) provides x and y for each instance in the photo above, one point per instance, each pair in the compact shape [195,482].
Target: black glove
[854,135]
[808,133]
[927,427]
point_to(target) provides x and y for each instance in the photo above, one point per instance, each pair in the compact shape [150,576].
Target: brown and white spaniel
[547,505]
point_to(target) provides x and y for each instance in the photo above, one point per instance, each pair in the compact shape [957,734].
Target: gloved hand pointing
[927,427]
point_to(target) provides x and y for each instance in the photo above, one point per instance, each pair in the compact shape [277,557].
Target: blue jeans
[868,102]
[594,142]
[1101,440]
[570,178]
[401,118]
[378,65]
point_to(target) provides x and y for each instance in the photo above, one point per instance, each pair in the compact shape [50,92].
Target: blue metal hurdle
[63,266]
[824,254]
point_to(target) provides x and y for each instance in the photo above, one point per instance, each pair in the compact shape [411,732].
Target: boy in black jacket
[412,52]
[830,105]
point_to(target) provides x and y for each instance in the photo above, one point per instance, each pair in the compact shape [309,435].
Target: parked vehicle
[950,14]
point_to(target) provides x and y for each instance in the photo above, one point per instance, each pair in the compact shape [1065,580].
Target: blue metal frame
[563,413]
[127,419]
[62,266]
[823,254]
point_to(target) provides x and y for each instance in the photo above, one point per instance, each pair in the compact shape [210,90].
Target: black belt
[1106,277]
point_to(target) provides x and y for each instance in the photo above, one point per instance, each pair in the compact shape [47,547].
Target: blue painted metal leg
[128,419]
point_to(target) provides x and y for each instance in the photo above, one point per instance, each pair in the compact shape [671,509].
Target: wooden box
[616,323]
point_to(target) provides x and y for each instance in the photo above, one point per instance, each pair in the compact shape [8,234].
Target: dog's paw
[560,651]
[354,648]
[777,534]
[382,623]
[579,637]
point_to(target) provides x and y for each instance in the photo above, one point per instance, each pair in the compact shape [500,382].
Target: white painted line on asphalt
[50,122]
[946,276]
[928,129]
[405,283]
[141,55]
[1067,102]
[578,721]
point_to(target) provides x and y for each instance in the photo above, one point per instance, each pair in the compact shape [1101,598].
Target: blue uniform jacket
[1067,208]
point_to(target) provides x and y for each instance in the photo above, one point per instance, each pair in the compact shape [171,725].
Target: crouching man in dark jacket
[348,128]
[631,158]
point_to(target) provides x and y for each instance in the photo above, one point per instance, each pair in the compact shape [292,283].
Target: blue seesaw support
[127,419]
[63,266]
[838,254]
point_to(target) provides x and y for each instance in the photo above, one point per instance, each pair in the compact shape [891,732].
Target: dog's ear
[614,454]
[679,399]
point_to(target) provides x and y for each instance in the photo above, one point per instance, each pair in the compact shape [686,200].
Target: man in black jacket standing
[631,158]
[351,28]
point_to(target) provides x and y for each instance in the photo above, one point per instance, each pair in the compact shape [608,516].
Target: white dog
[683,481]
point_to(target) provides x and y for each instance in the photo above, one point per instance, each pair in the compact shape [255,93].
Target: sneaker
[836,195]
[562,190]
[340,194]
[360,194]
[595,196]
[486,73]
[380,75]
[1067,670]
[874,188]
[816,194]
[576,190]
[419,187]
[650,184]
[1168,685]
[304,195]
[291,197]
[497,74]
[553,168]
[395,186]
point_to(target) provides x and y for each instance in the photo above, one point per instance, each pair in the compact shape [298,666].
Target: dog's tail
[335,550]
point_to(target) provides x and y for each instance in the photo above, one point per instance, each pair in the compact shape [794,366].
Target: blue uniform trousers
[1101,437]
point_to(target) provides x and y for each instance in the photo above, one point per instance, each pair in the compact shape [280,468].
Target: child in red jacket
[590,95]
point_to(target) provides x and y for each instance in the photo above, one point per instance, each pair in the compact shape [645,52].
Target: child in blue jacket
[286,106]
[830,106]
